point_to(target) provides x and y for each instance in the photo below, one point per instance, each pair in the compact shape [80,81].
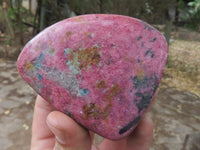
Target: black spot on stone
[129,125]
[109,61]
[138,94]
[145,99]
[146,88]
[153,40]
[138,84]
[138,38]
[142,44]
[146,82]
[112,45]
[156,83]
[149,52]
[135,81]
[146,26]
[138,60]
[136,100]
[68,113]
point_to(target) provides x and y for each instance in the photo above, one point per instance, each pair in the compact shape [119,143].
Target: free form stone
[101,70]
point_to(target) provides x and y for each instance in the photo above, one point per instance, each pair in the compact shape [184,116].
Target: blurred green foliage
[24,13]
[194,15]
[152,11]
[195,6]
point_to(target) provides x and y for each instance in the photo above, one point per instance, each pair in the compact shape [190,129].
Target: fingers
[113,145]
[48,124]
[69,135]
[140,139]
[41,135]
[142,136]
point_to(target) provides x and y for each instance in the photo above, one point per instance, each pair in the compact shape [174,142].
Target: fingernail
[59,134]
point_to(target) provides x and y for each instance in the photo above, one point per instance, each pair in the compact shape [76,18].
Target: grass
[183,66]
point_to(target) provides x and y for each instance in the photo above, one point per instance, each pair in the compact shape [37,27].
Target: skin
[53,130]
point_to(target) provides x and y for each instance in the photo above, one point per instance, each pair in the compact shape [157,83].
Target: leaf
[191,11]
[191,4]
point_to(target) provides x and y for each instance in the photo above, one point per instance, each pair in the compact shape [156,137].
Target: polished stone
[101,70]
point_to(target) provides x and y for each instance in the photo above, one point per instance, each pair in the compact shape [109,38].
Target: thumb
[142,136]
[68,134]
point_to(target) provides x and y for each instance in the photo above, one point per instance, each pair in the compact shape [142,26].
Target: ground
[175,111]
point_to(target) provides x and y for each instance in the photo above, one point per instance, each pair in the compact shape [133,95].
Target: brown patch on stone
[88,34]
[93,111]
[51,51]
[108,97]
[29,66]
[65,38]
[101,84]
[77,19]
[86,57]
[69,34]
[114,90]
[140,73]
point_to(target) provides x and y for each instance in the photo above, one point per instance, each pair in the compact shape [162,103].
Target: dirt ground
[175,113]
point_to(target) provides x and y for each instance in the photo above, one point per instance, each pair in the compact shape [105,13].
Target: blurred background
[176,111]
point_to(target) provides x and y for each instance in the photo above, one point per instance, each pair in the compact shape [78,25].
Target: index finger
[40,130]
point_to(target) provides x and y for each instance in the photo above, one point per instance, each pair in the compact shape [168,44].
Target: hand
[54,130]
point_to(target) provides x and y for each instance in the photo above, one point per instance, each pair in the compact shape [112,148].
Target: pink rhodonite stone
[101,70]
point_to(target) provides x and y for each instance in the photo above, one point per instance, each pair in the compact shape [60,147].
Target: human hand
[53,130]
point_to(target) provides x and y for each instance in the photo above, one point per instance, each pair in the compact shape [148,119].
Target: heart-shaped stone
[101,70]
